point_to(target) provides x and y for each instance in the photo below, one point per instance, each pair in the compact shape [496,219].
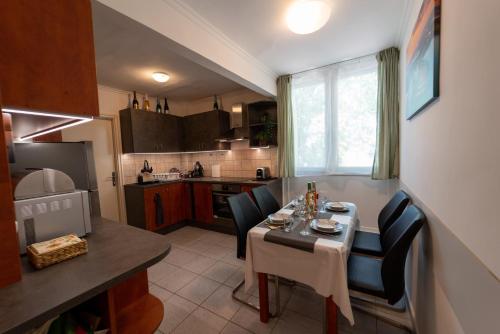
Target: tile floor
[195,282]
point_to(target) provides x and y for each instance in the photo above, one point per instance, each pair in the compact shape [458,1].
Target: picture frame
[423,59]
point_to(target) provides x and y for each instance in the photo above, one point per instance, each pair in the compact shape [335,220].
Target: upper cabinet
[150,132]
[201,131]
[47,60]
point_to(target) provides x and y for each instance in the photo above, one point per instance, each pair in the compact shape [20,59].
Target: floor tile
[232,259]
[235,278]
[201,321]
[248,318]
[222,303]
[306,302]
[200,264]
[234,329]
[220,271]
[176,309]
[180,257]
[159,292]
[294,323]
[176,280]
[160,270]
[198,289]
[217,252]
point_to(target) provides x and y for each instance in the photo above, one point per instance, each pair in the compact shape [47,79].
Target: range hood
[238,125]
[27,124]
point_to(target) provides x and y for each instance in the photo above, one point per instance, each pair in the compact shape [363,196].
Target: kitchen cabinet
[247,188]
[150,132]
[203,209]
[201,131]
[9,248]
[263,124]
[141,206]
[47,58]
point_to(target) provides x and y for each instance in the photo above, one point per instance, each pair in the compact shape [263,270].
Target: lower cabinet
[203,209]
[157,207]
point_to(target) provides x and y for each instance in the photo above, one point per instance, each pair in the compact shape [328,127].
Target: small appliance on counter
[146,175]
[48,206]
[263,173]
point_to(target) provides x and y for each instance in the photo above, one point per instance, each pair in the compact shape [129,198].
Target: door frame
[117,161]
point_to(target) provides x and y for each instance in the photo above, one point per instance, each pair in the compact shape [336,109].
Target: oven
[220,194]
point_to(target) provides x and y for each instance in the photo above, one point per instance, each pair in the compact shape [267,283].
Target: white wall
[450,160]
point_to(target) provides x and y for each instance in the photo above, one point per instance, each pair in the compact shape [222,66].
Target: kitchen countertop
[116,252]
[206,179]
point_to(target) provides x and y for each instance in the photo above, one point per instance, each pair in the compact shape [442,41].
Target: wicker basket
[60,253]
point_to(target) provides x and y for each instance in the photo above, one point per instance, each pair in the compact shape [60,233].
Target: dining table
[304,255]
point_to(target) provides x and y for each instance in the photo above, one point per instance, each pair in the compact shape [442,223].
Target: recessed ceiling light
[161,77]
[307,16]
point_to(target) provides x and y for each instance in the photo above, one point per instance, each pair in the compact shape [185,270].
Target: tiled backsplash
[234,163]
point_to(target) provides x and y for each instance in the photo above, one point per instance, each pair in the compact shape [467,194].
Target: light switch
[41,208]
[67,204]
[55,206]
[26,211]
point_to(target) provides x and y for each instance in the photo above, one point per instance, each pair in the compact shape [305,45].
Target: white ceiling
[355,28]
[127,53]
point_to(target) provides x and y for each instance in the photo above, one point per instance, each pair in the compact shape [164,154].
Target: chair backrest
[245,215]
[396,243]
[392,210]
[265,200]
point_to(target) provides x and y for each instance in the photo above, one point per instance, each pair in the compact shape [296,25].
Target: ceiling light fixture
[307,16]
[161,77]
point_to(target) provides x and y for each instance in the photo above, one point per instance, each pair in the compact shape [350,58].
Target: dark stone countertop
[115,253]
[206,179]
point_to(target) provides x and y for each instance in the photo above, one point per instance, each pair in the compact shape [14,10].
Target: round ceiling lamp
[307,16]
[160,76]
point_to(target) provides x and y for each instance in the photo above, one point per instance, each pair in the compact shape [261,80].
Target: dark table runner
[305,242]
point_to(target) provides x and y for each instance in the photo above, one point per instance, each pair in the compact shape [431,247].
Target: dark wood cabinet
[202,130]
[47,58]
[150,132]
[202,196]
[141,206]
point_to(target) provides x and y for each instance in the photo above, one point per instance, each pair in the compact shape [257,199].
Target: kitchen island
[113,273]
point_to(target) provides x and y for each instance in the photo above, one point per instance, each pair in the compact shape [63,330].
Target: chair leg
[255,307]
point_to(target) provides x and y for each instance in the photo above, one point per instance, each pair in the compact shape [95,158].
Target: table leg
[263,298]
[331,316]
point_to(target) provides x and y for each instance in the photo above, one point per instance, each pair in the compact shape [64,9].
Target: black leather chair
[385,277]
[265,200]
[246,215]
[370,243]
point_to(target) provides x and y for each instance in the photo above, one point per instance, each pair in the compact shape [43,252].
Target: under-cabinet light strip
[192,152]
[57,128]
[43,113]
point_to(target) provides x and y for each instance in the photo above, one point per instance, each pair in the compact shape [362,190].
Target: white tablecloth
[325,270]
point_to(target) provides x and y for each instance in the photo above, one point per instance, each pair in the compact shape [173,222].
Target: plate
[335,226]
[277,219]
[336,206]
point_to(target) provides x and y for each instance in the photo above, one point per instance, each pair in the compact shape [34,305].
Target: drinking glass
[304,227]
[323,200]
[288,224]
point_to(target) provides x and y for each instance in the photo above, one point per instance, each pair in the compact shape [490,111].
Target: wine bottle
[135,103]
[216,105]
[158,105]
[166,109]
[145,104]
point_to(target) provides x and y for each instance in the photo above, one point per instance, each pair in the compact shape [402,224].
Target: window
[334,111]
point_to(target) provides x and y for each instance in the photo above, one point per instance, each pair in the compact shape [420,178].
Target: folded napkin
[285,212]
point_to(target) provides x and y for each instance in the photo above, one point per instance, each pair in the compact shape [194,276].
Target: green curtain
[286,158]
[386,161]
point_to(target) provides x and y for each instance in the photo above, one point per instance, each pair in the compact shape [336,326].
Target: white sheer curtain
[334,110]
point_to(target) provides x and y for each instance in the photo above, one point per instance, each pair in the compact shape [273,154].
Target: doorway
[101,133]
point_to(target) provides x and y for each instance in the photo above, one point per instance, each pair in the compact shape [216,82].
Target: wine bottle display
[216,105]
[135,103]
[158,105]
[145,103]
[166,109]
